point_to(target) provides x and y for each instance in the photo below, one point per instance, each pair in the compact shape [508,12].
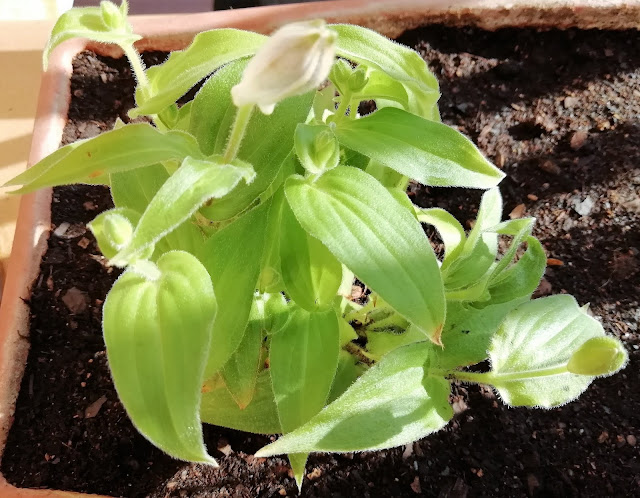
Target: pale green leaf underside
[208,51]
[157,331]
[389,405]
[121,149]
[541,335]
[362,224]
[426,151]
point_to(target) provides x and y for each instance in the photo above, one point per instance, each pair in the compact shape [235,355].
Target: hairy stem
[494,379]
[237,132]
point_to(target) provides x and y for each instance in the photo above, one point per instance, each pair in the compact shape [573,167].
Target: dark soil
[558,111]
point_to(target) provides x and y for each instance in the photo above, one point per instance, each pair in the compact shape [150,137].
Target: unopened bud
[114,229]
[111,15]
[598,356]
[358,80]
[296,59]
[317,148]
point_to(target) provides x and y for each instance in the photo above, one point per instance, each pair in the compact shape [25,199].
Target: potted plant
[403,334]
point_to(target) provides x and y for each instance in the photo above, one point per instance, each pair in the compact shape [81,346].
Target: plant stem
[344,105]
[497,379]
[237,132]
[137,65]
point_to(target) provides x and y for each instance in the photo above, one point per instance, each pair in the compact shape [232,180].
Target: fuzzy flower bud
[598,356]
[296,59]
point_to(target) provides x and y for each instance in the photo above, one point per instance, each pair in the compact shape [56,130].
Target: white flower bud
[296,59]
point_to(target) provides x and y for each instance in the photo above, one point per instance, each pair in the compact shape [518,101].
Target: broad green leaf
[311,274]
[241,371]
[208,51]
[90,23]
[426,151]
[479,250]
[303,359]
[121,149]
[391,404]
[400,63]
[180,196]
[260,416]
[450,229]
[349,369]
[232,256]
[134,189]
[381,343]
[266,145]
[366,228]
[522,278]
[468,332]
[530,352]
[157,328]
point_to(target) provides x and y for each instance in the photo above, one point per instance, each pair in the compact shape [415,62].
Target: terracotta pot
[175,32]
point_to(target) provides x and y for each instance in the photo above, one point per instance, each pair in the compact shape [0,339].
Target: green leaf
[381,343]
[391,404]
[157,328]
[260,416]
[232,257]
[349,369]
[134,189]
[90,23]
[303,359]
[519,229]
[400,64]
[426,151]
[367,229]
[520,279]
[530,352]
[208,51]
[450,229]
[468,332]
[311,274]
[241,371]
[479,250]
[121,149]
[267,144]
[180,196]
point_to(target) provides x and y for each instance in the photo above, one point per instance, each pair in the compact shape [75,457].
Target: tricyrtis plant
[241,231]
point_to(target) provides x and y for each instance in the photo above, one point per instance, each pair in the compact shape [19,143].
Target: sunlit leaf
[426,151]
[391,404]
[531,350]
[157,328]
[184,68]
[362,224]
[121,149]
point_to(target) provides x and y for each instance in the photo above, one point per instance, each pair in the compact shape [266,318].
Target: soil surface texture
[559,113]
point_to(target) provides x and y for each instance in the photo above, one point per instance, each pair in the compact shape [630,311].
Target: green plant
[240,233]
